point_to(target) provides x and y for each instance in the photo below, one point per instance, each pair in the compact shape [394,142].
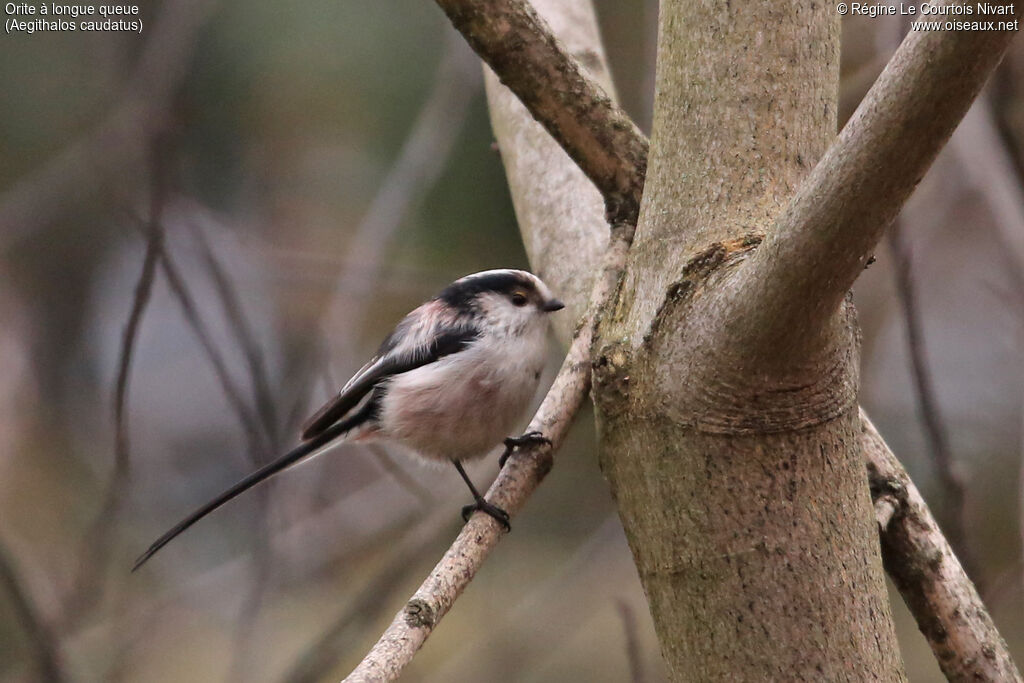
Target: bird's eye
[519,299]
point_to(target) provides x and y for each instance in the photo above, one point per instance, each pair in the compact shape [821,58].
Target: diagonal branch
[935,587]
[928,407]
[96,546]
[415,170]
[601,138]
[515,483]
[245,337]
[821,242]
[322,656]
[249,421]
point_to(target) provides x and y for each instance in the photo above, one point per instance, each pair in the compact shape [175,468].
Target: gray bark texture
[921,563]
[739,482]
[782,439]
[722,346]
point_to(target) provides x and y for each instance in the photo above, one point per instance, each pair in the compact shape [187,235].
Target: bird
[450,382]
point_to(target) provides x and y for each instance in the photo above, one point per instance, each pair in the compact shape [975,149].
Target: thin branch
[990,168]
[934,426]
[264,404]
[231,303]
[259,446]
[42,641]
[95,553]
[579,581]
[314,664]
[819,245]
[515,483]
[933,584]
[179,289]
[521,49]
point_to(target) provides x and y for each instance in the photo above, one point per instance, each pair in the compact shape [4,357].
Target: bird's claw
[514,442]
[493,510]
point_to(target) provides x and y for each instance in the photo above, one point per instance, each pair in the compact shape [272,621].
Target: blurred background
[206,227]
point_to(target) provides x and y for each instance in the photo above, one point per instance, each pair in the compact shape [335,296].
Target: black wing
[392,360]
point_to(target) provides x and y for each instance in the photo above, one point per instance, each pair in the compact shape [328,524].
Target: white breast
[465,404]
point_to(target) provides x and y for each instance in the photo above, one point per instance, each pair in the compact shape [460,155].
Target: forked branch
[612,152]
[821,242]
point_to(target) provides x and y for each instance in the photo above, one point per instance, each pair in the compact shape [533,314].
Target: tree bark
[921,562]
[740,484]
[559,211]
[763,399]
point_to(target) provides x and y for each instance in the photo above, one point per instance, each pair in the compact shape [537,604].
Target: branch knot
[420,613]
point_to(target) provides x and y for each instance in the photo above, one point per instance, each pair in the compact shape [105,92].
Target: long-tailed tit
[450,382]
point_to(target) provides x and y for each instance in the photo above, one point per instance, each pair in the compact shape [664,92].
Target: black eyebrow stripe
[461,292]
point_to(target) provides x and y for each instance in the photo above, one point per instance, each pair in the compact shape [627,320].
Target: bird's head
[510,299]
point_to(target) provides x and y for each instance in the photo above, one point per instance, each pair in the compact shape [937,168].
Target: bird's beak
[552,305]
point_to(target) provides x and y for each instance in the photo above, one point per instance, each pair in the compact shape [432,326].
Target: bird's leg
[480,504]
[514,442]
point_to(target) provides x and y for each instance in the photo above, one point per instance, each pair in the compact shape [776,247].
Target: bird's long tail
[293,456]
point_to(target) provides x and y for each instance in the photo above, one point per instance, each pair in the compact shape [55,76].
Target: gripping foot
[493,510]
[527,439]
[482,505]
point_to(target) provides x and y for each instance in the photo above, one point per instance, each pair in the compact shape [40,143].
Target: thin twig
[42,641]
[330,647]
[575,582]
[515,483]
[231,303]
[190,311]
[991,170]
[927,402]
[95,553]
[264,402]
[924,568]
[260,448]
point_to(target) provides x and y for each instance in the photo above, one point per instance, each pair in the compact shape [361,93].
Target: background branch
[935,587]
[95,552]
[320,658]
[417,168]
[931,417]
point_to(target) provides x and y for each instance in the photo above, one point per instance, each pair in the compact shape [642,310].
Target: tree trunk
[737,467]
